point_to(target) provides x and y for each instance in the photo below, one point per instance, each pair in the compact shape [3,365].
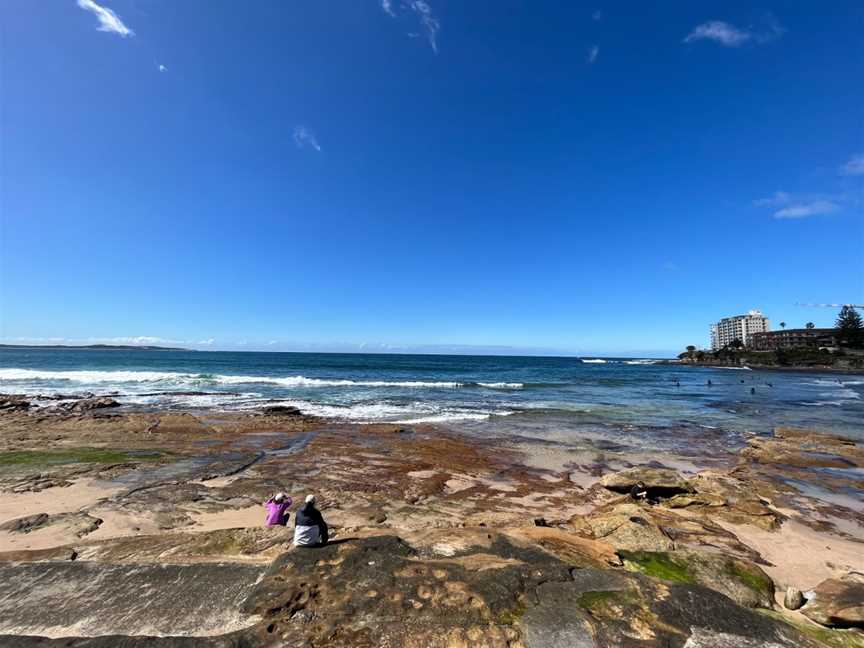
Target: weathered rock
[89,404]
[659,482]
[793,599]
[625,526]
[78,523]
[742,581]
[87,599]
[838,602]
[25,524]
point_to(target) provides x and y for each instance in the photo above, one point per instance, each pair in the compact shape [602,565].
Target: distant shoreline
[757,367]
[93,347]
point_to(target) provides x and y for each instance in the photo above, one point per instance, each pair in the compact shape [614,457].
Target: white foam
[640,362]
[593,361]
[501,385]
[85,377]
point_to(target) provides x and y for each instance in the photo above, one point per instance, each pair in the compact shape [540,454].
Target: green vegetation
[756,581]
[658,565]
[76,455]
[603,603]
[825,636]
[511,617]
[851,327]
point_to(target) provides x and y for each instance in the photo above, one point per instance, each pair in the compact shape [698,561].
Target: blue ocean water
[529,396]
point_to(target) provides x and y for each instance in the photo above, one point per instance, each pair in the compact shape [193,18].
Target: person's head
[640,485]
[310,500]
[279,498]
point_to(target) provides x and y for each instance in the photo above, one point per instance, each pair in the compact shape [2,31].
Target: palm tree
[810,325]
[783,325]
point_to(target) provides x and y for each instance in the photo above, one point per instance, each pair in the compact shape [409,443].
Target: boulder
[793,599]
[659,482]
[838,602]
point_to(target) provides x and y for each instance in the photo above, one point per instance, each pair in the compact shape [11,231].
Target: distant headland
[94,347]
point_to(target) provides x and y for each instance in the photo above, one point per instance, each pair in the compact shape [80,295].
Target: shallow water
[550,398]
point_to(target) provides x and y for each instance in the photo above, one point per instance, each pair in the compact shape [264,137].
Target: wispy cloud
[593,52]
[803,210]
[670,266]
[597,15]
[304,137]
[423,12]
[162,68]
[431,25]
[108,20]
[778,198]
[855,166]
[787,206]
[729,35]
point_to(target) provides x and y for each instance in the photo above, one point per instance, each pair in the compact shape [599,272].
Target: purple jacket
[277,512]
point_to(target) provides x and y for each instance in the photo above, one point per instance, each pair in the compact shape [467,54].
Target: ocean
[536,397]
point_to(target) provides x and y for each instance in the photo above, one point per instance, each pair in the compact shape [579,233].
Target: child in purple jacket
[277,510]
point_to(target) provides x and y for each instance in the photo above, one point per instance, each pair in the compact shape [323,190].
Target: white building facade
[739,327]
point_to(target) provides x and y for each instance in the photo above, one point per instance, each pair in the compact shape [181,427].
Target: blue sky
[365,175]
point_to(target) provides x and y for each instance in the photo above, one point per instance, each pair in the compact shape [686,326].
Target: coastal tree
[851,328]
[736,344]
[810,325]
[783,325]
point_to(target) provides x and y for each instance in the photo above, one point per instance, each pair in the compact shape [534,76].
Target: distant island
[93,347]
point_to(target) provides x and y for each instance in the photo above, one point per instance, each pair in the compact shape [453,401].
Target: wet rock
[281,410]
[89,404]
[793,599]
[742,581]
[838,602]
[659,482]
[13,403]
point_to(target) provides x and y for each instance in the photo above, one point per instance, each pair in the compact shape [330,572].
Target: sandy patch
[252,516]
[81,494]
[801,557]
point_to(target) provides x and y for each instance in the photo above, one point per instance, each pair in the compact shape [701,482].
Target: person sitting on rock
[310,529]
[639,492]
[277,510]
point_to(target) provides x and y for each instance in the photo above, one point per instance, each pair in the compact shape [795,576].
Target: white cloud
[304,137]
[788,206]
[431,25]
[593,51]
[855,166]
[108,20]
[729,35]
[206,342]
[805,209]
[162,68]
[720,32]
[387,6]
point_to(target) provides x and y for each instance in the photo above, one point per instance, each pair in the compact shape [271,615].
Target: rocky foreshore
[124,528]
